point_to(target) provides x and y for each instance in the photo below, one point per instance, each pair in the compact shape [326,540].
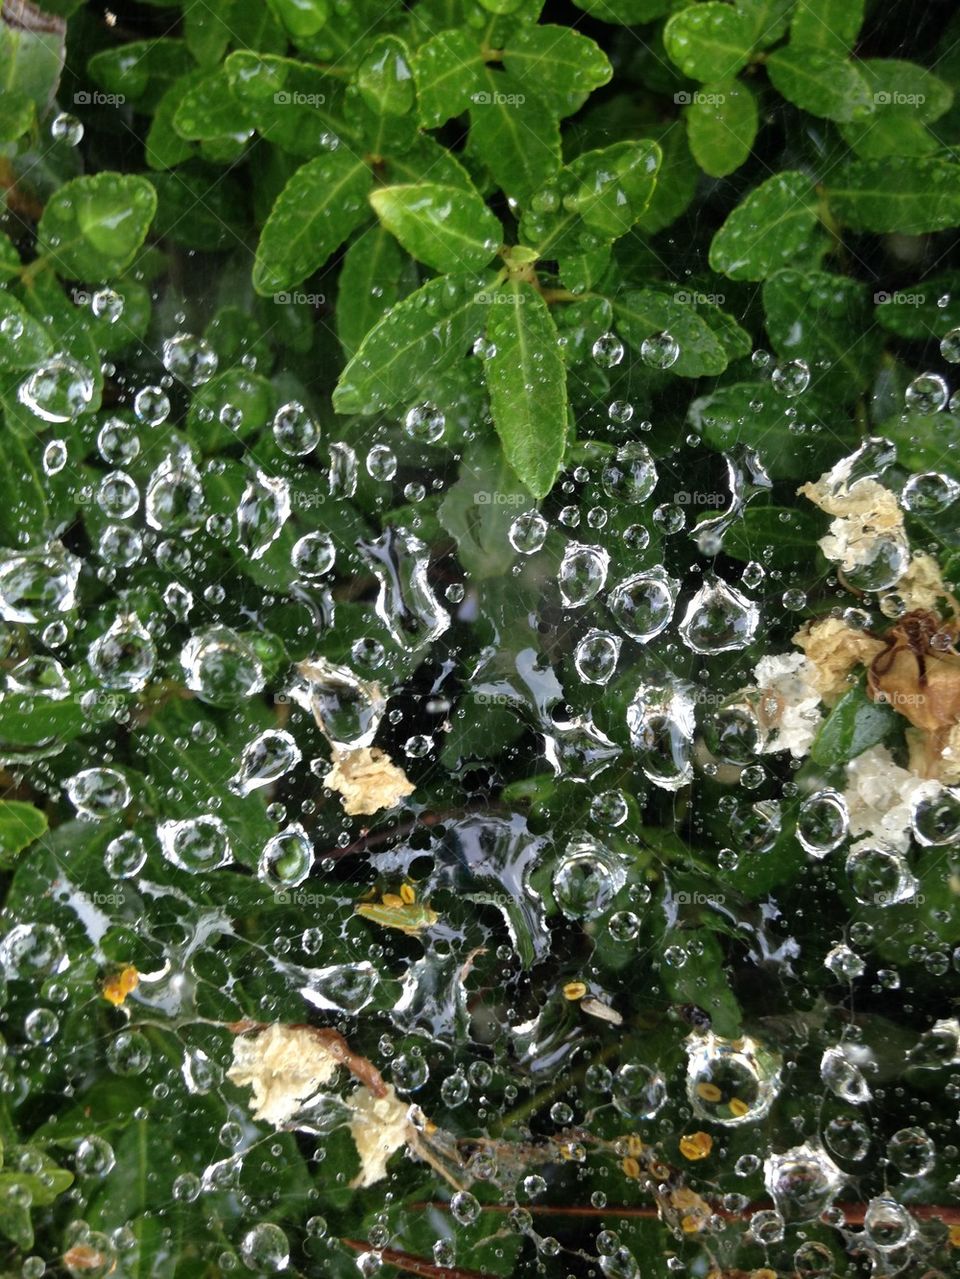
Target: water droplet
[263,510]
[197,844]
[582,573]
[58,391]
[642,606]
[190,359]
[221,667]
[718,619]
[660,351]
[294,430]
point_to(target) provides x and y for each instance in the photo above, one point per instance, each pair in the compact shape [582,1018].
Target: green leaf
[448,71]
[514,133]
[251,398]
[375,274]
[914,197]
[722,122]
[302,18]
[917,310]
[20,825]
[557,63]
[824,84]
[822,319]
[31,62]
[828,25]
[140,71]
[776,536]
[768,230]
[17,115]
[677,179]
[385,77]
[24,342]
[710,41]
[642,313]
[420,336]
[288,102]
[478,510]
[164,146]
[314,213]
[92,228]
[703,981]
[527,382]
[853,726]
[448,228]
[793,445]
[208,110]
[906,98]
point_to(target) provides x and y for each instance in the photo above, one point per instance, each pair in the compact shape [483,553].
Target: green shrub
[480,534]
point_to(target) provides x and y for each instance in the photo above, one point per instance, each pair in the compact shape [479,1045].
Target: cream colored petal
[367,781]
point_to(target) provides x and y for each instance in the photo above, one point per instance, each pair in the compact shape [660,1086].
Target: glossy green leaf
[479,509]
[515,134]
[722,122]
[208,110]
[527,382]
[141,71]
[31,61]
[854,725]
[17,115]
[828,25]
[775,536]
[823,84]
[907,98]
[642,313]
[911,196]
[23,341]
[20,825]
[448,228]
[448,71]
[822,319]
[314,213]
[795,440]
[288,101]
[385,77]
[421,335]
[770,229]
[373,277]
[930,308]
[93,226]
[558,64]
[677,179]
[302,18]
[710,41]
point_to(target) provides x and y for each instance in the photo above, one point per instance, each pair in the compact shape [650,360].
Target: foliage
[404,337]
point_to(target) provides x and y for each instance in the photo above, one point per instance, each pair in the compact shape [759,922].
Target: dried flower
[368,780]
[919,681]
[379,1126]
[834,650]
[285,1066]
[790,705]
[867,515]
[922,585]
[879,795]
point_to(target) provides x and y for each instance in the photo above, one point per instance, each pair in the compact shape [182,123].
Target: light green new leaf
[527,382]
[912,196]
[641,313]
[709,41]
[375,274]
[824,84]
[20,825]
[24,342]
[558,64]
[420,336]
[92,228]
[447,70]
[313,215]
[514,133]
[448,228]
[830,25]
[722,122]
[768,230]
